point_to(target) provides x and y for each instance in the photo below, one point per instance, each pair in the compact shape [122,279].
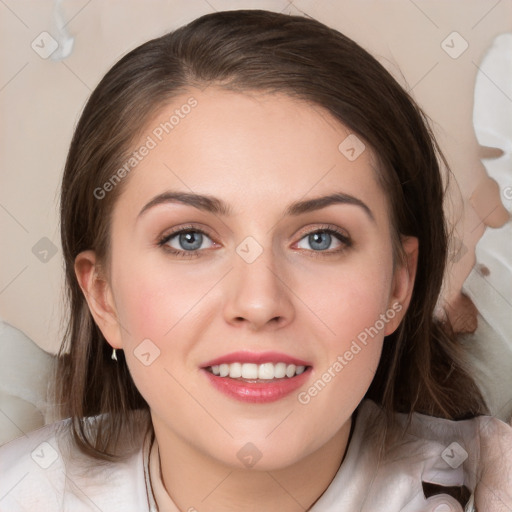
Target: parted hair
[422,368]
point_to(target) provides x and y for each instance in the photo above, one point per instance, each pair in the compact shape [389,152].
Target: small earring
[114,355]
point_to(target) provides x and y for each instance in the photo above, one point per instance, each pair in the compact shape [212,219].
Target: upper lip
[256,358]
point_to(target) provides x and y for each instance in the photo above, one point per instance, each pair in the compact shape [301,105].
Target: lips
[257,377]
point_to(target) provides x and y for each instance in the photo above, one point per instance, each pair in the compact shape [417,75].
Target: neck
[198,482]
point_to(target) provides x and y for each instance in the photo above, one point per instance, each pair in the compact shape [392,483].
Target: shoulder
[475,453]
[30,466]
[479,439]
[481,429]
[44,471]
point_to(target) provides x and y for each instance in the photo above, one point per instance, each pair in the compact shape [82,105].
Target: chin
[263,454]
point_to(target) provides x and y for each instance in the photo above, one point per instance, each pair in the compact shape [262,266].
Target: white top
[44,472]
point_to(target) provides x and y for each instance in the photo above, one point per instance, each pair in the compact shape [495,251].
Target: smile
[257,377]
[252,371]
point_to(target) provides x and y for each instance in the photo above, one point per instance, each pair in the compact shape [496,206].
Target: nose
[257,294]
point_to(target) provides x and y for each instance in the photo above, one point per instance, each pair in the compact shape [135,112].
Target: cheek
[353,302]
[152,308]
[349,298]
[355,308]
[151,300]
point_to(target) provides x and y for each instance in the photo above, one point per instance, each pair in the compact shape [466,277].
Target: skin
[258,153]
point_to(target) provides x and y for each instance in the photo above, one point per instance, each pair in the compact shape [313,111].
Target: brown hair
[421,367]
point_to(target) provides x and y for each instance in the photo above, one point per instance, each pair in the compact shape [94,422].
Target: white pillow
[25,374]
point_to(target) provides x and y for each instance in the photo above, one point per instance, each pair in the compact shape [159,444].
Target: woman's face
[263,322]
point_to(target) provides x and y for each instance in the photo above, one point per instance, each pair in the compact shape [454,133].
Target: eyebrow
[219,207]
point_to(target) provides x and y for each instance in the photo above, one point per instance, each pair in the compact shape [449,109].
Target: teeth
[235,370]
[279,370]
[250,371]
[265,371]
[290,370]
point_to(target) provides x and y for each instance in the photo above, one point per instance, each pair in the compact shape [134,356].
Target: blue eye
[189,242]
[323,239]
[319,241]
[185,242]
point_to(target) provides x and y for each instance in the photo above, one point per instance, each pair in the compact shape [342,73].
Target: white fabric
[490,347]
[365,481]
[24,366]
[24,375]
[44,472]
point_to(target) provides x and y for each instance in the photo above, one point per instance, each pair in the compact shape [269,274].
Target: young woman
[254,240]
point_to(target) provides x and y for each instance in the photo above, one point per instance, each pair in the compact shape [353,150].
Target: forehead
[253,148]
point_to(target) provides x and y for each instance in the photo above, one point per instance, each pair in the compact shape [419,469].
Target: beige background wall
[41,99]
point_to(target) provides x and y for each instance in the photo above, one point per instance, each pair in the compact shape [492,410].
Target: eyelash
[329,229]
[176,252]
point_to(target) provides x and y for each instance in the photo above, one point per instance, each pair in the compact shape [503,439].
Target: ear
[98,295]
[403,282]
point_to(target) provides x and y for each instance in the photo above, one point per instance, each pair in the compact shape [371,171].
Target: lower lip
[258,392]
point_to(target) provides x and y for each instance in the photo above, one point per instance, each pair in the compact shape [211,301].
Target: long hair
[421,367]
